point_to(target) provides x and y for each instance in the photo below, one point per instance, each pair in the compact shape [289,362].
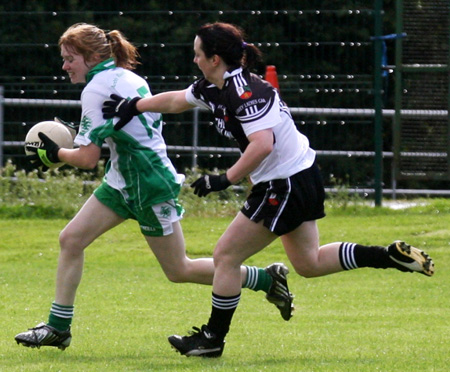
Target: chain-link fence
[322,50]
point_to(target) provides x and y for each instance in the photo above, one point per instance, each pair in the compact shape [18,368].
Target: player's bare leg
[84,228]
[311,260]
[93,219]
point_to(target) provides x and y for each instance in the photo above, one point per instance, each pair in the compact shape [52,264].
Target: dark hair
[227,41]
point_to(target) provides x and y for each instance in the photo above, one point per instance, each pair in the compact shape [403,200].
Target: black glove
[205,184]
[45,156]
[73,128]
[121,108]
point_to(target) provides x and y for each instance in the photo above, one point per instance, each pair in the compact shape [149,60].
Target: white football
[54,130]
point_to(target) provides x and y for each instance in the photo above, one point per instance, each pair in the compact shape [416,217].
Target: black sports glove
[207,183]
[73,128]
[45,156]
[121,108]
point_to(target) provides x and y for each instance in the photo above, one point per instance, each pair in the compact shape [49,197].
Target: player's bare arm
[168,102]
[84,157]
[260,146]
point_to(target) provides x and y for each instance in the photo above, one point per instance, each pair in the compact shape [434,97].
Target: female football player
[287,196]
[140,183]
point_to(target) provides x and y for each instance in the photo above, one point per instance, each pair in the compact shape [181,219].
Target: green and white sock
[257,279]
[60,316]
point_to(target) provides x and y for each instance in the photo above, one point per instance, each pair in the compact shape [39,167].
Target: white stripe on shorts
[281,208]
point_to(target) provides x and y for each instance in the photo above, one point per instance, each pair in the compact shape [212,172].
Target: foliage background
[321,49]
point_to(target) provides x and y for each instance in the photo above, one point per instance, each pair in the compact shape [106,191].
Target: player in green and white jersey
[140,183]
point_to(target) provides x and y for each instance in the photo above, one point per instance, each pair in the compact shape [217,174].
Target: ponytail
[252,56]
[227,41]
[124,53]
[89,40]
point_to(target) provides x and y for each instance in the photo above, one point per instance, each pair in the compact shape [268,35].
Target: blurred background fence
[325,53]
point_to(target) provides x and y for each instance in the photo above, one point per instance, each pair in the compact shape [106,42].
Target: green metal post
[448,101]
[378,103]
[398,86]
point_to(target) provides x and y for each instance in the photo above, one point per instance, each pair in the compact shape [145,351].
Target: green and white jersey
[138,166]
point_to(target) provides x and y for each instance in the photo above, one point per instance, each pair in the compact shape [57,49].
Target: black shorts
[284,204]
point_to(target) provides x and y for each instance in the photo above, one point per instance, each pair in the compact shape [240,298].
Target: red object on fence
[272,77]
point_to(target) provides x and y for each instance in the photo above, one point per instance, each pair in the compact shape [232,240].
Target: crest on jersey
[244,92]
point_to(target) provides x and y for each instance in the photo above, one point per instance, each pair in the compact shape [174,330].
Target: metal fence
[323,51]
[423,70]
[194,151]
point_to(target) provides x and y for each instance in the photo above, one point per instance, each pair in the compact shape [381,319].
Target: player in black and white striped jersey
[288,194]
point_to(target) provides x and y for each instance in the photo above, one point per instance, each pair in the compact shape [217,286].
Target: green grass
[363,320]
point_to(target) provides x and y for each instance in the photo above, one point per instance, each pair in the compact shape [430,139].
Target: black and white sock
[222,312]
[353,256]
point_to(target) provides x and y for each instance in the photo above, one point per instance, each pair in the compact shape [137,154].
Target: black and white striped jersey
[247,104]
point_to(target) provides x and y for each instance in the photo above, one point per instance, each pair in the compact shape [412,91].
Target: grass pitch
[363,320]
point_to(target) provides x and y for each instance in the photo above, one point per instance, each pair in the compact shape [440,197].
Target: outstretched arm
[167,102]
